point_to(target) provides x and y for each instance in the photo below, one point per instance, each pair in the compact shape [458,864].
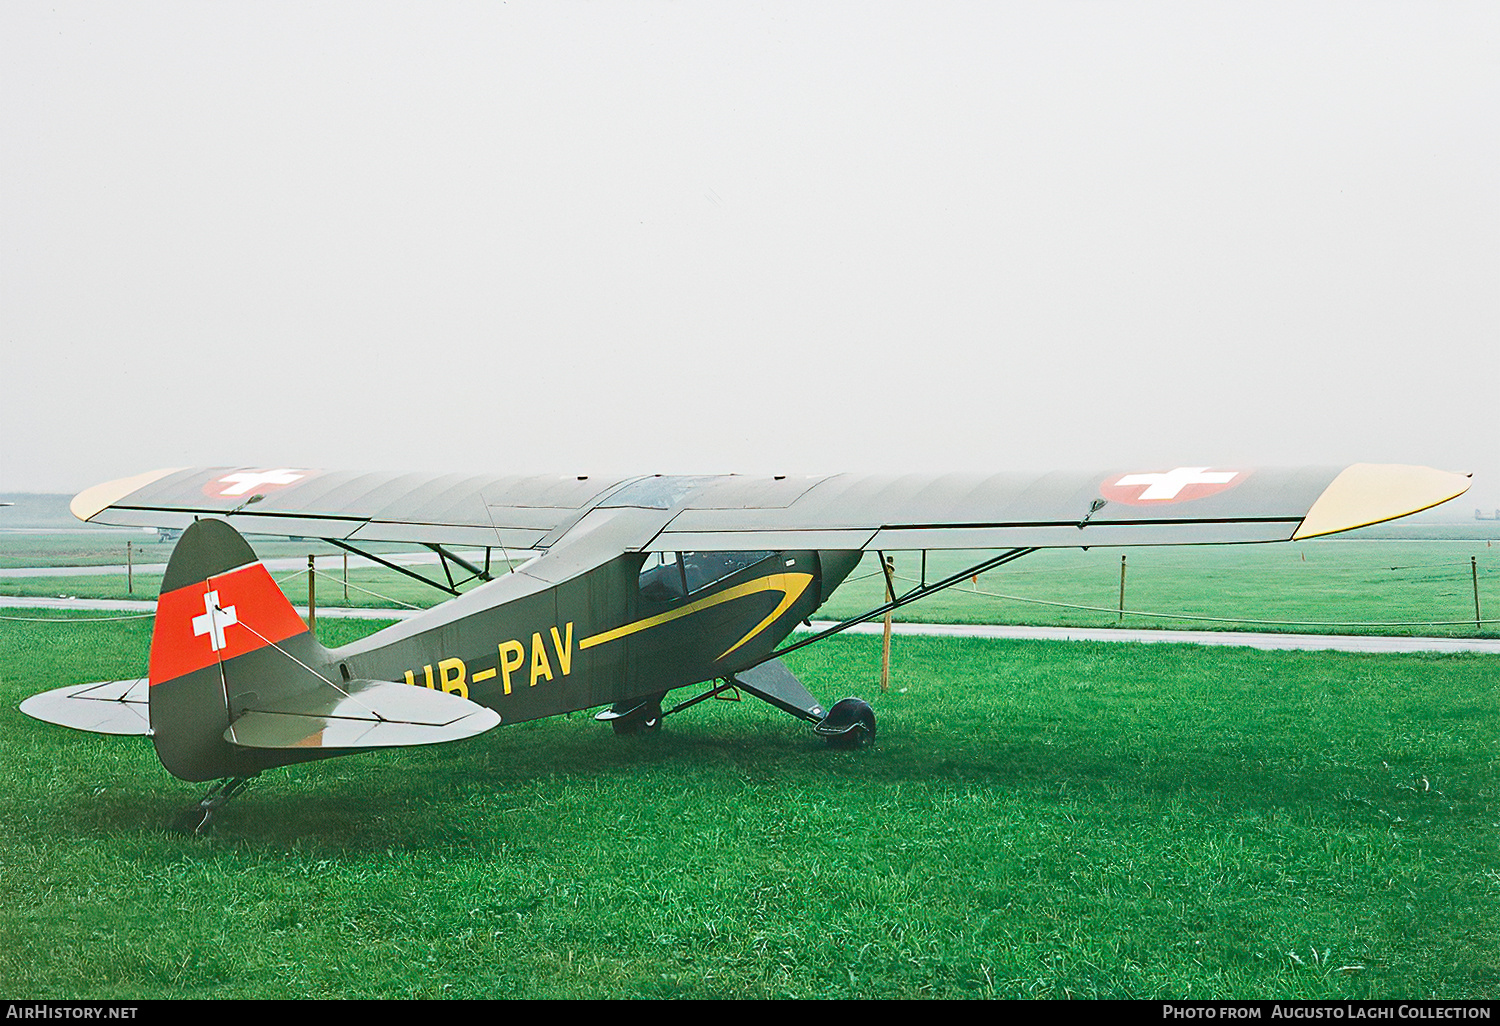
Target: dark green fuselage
[605,636]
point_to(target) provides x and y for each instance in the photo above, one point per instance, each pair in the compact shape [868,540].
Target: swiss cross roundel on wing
[239,485]
[1156,487]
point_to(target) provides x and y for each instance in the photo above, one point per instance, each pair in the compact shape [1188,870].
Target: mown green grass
[369,588]
[1334,586]
[1035,820]
[83,546]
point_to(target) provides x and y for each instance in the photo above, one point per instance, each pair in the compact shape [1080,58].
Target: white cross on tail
[214,620]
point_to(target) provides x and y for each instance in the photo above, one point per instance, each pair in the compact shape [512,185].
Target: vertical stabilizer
[224,634]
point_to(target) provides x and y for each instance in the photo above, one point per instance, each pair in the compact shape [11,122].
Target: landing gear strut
[197,820]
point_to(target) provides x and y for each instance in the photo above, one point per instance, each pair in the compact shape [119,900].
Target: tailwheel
[192,821]
[849,724]
[198,819]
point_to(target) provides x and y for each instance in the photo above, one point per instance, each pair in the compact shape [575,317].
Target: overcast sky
[794,237]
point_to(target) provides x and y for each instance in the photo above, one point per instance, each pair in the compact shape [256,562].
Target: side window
[669,576]
[700,569]
[661,577]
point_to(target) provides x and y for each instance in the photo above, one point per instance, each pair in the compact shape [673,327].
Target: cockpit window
[669,576]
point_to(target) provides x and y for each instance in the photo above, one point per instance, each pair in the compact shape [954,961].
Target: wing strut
[478,574]
[399,569]
[919,592]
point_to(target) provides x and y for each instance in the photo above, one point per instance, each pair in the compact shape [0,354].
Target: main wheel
[849,724]
[642,720]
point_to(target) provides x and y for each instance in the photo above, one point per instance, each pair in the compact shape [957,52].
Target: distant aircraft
[635,587]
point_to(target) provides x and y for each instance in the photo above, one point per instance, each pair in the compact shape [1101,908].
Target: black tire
[849,724]
[641,721]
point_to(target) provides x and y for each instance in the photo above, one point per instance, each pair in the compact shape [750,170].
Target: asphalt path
[1241,639]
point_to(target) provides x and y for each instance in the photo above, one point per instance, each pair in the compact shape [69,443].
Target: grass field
[1035,820]
[1334,586]
[1351,586]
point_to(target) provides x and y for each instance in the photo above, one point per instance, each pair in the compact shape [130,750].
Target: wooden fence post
[1474,570]
[887,564]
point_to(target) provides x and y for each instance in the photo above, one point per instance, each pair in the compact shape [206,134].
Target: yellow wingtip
[1372,493]
[90,502]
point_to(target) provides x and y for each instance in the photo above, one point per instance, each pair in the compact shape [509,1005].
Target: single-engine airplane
[634,587]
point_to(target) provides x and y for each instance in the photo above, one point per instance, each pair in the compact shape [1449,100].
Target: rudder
[224,634]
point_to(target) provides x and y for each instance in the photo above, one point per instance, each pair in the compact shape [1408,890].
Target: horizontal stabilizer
[361,714]
[103,707]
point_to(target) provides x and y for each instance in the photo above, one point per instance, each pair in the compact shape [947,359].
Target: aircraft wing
[1140,506]
[1145,506]
[519,512]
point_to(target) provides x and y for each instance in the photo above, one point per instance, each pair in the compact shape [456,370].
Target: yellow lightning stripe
[790,585]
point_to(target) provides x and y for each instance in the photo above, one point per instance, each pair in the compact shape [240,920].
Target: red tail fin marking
[226,616]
